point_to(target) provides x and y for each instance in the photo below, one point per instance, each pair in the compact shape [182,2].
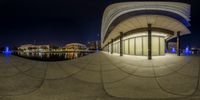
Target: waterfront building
[74,47]
[94,45]
[142,28]
[34,48]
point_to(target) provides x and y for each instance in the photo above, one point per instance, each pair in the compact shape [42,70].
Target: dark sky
[63,21]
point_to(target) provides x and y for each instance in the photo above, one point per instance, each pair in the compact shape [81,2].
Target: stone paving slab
[101,76]
[134,87]
[180,84]
[113,76]
[88,76]
[19,84]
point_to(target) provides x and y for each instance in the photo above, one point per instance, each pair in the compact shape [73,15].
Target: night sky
[59,22]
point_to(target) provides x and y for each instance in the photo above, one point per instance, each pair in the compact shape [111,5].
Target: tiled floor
[101,76]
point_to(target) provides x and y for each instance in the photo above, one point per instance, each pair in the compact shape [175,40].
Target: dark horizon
[61,22]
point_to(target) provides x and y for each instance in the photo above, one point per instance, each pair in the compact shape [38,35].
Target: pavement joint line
[175,71]
[55,78]
[91,69]
[129,75]
[24,72]
[81,69]
[38,87]
[119,67]
[14,66]
[102,80]
[71,75]
[99,55]
[184,95]
[155,76]
[172,72]
[189,76]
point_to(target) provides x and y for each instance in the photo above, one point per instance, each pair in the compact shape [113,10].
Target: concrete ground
[101,76]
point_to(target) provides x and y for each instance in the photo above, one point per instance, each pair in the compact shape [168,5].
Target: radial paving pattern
[101,76]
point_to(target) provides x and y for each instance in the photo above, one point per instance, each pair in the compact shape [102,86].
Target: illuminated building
[75,46]
[94,45]
[34,48]
[142,28]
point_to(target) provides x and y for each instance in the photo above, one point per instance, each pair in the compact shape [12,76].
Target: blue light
[7,51]
[187,51]
[173,50]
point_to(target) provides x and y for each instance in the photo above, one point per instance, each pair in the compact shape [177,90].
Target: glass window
[162,46]
[126,48]
[155,46]
[113,47]
[145,46]
[109,47]
[139,46]
[118,47]
[123,46]
[132,46]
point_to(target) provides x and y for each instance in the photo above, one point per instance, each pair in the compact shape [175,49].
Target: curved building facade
[75,46]
[142,28]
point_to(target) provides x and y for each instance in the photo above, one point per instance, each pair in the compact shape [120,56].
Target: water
[51,56]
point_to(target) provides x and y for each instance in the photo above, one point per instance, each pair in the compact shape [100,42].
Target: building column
[178,44]
[149,42]
[111,46]
[121,43]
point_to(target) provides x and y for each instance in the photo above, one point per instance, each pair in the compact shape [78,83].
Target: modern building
[34,48]
[142,28]
[195,51]
[75,46]
[94,45]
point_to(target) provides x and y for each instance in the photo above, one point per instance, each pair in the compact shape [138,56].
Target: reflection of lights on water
[173,50]
[50,56]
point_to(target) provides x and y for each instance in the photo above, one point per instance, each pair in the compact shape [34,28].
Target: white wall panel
[155,46]
[132,46]
[126,46]
[109,47]
[117,47]
[139,46]
[162,46]
[145,46]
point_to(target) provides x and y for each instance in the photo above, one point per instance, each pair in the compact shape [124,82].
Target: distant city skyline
[61,22]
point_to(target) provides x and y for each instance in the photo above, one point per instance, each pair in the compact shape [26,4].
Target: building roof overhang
[123,17]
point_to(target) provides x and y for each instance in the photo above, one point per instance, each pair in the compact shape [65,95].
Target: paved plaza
[101,76]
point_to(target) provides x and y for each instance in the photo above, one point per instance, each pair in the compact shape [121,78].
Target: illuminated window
[126,49]
[155,46]
[118,47]
[132,46]
[139,46]
[145,45]
[162,46]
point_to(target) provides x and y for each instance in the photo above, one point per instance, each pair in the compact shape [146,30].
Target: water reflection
[51,56]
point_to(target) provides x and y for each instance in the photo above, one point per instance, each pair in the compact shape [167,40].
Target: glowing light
[173,50]
[187,51]
[7,51]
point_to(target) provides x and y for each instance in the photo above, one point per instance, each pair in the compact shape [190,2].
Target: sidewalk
[101,76]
